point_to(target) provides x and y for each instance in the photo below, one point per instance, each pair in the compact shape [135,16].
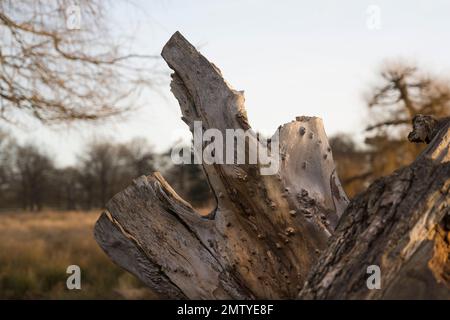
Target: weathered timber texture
[425,128]
[400,223]
[265,236]
[267,230]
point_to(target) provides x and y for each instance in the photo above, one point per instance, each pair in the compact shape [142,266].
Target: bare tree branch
[54,74]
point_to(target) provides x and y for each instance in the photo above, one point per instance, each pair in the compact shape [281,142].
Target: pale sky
[291,58]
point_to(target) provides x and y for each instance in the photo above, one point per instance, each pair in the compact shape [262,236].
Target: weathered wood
[264,237]
[266,231]
[425,128]
[401,224]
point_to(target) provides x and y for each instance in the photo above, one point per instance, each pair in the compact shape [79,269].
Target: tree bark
[266,231]
[401,224]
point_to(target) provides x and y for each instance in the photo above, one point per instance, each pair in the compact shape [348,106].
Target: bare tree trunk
[267,231]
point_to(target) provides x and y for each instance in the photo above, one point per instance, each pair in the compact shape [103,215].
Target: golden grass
[36,248]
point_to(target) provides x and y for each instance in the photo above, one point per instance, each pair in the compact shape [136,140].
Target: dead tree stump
[265,236]
[266,231]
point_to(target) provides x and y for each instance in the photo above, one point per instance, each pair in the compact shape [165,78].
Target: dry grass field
[36,248]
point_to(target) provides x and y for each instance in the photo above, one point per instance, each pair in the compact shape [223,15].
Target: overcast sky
[290,57]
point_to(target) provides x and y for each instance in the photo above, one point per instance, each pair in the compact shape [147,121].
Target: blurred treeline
[30,180]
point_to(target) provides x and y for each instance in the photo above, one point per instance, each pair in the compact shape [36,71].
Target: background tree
[108,167]
[33,168]
[137,158]
[54,73]
[65,191]
[7,144]
[100,162]
[403,92]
